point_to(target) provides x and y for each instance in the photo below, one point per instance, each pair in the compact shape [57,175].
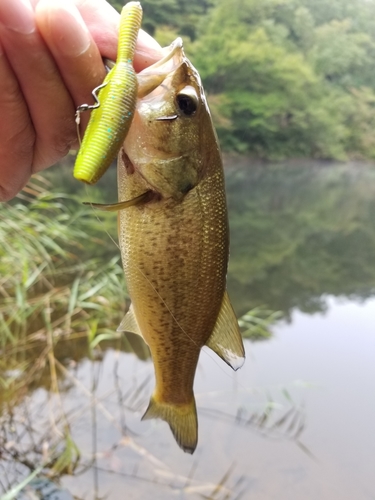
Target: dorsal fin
[226,339]
[130,323]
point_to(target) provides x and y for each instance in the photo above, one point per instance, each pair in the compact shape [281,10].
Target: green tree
[284,77]
[270,98]
[180,15]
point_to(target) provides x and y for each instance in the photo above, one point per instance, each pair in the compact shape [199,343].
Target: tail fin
[182,420]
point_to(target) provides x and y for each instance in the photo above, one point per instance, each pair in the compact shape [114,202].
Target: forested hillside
[284,78]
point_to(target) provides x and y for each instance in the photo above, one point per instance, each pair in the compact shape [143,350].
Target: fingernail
[67,28]
[17,15]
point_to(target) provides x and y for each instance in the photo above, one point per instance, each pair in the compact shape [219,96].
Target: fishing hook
[87,107]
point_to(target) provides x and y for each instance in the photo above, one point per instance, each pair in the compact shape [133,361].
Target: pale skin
[50,60]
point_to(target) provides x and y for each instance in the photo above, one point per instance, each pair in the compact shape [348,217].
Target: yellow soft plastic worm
[113,112]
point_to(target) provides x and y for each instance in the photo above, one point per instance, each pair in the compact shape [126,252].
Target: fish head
[172,131]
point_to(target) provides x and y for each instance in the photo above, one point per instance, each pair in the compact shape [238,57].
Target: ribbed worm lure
[113,112]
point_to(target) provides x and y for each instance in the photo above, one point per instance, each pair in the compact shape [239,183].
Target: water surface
[297,421]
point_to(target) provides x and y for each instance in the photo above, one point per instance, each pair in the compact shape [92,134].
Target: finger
[16,134]
[49,103]
[103,20]
[73,49]
[65,33]
[147,51]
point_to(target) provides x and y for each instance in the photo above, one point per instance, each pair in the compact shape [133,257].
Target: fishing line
[101,222]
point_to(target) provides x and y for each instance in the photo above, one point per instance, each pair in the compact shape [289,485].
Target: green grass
[60,277]
[255,324]
[53,273]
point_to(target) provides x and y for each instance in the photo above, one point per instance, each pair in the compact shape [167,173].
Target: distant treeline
[284,78]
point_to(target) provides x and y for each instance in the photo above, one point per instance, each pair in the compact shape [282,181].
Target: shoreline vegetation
[284,78]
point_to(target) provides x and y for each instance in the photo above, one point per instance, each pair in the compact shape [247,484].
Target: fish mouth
[173,55]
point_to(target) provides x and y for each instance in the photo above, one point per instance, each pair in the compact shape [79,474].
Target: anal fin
[226,339]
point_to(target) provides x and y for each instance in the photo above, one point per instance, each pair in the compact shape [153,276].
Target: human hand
[50,61]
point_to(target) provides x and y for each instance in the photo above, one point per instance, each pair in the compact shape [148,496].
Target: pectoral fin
[130,323]
[115,207]
[226,338]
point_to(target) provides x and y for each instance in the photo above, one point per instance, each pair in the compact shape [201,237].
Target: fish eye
[187,101]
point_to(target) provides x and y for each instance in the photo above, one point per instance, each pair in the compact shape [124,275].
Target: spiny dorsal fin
[129,323]
[182,420]
[226,338]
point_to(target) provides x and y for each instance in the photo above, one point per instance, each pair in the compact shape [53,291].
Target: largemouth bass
[174,240]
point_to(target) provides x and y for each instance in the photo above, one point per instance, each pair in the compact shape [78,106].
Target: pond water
[297,421]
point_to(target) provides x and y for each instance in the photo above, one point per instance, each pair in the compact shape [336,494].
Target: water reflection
[298,234]
[98,407]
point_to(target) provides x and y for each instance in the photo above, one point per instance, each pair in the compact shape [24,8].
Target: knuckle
[12,185]
[62,142]
[54,146]
[7,193]
[15,166]
[67,136]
